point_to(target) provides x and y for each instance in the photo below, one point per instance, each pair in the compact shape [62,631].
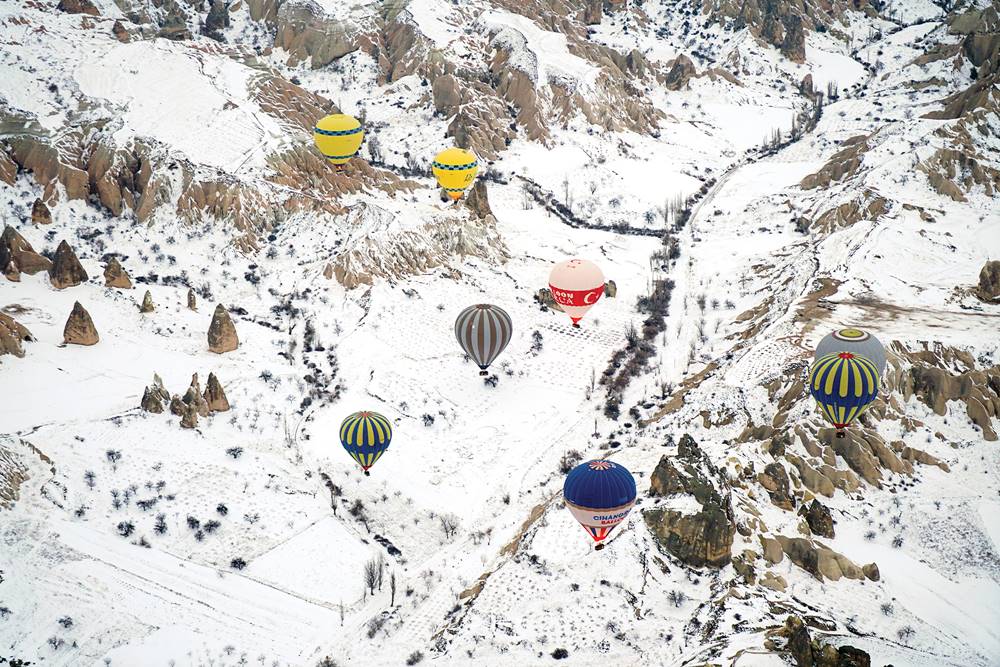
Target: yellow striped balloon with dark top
[338,137]
[366,436]
[844,385]
[455,168]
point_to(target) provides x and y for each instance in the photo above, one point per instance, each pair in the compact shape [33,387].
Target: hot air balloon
[365,436]
[454,169]
[576,285]
[338,137]
[483,331]
[600,495]
[856,341]
[844,385]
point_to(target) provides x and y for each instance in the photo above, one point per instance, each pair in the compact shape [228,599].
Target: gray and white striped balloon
[483,331]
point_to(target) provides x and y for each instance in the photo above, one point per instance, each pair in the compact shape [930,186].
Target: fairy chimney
[66,269]
[215,396]
[194,399]
[13,334]
[11,273]
[115,275]
[189,418]
[155,396]
[40,213]
[147,303]
[80,329]
[222,336]
[192,301]
[15,249]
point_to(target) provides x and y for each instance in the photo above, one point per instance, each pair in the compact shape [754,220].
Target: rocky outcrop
[215,396]
[680,73]
[610,289]
[819,560]
[115,275]
[842,164]
[819,519]
[78,7]
[40,213]
[12,335]
[867,206]
[194,398]
[155,397]
[222,336]
[120,32]
[989,282]
[793,639]
[775,480]
[66,270]
[705,537]
[306,33]
[16,252]
[477,200]
[80,329]
[192,301]
[147,303]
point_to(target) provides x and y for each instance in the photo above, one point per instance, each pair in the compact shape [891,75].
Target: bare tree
[341,607]
[381,569]
[371,575]
[392,590]
[449,524]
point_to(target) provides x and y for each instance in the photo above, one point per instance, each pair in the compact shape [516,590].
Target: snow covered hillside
[193,300]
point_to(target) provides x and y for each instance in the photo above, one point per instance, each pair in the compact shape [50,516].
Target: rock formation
[222,336]
[192,301]
[80,329]
[78,7]
[989,282]
[147,303]
[193,397]
[680,73]
[805,651]
[214,395]
[155,396]
[115,275]
[705,537]
[66,269]
[819,519]
[16,252]
[12,335]
[189,417]
[40,214]
[775,480]
[120,32]
[610,289]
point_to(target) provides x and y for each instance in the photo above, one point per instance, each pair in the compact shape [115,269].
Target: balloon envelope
[844,385]
[855,341]
[483,331]
[576,285]
[338,137]
[454,169]
[600,495]
[366,435]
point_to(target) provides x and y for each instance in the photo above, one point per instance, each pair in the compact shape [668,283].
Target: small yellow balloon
[455,169]
[338,137]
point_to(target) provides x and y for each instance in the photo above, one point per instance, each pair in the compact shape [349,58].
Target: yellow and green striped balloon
[338,137]
[454,169]
[844,385]
[366,435]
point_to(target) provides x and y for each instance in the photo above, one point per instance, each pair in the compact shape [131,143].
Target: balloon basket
[367,474]
[484,373]
[576,325]
[841,434]
[599,547]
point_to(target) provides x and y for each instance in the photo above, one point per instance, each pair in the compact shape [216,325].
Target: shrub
[237,563]
[560,654]
[569,461]
[414,658]
[126,528]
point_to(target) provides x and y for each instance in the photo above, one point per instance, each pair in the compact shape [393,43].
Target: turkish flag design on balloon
[576,285]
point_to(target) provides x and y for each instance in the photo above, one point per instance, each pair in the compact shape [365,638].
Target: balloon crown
[851,334]
[846,355]
[601,465]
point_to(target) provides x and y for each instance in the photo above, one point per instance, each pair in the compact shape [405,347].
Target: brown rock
[151,401]
[120,32]
[819,519]
[115,275]
[189,417]
[192,300]
[775,480]
[989,281]
[177,406]
[40,214]
[328,271]
[610,289]
[478,201]
[222,336]
[871,571]
[147,303]
[680,73]
[849,656]
[193,398]
[78,7]
[773,581]
[12,334]
[66,269]
[215,396]
[701,539]
[14,248]
[773,552]
[11,273]
[80,329]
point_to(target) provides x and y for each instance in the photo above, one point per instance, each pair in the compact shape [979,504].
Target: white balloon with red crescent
[576,285]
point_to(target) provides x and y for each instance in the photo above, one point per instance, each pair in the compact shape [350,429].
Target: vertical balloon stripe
[856,372]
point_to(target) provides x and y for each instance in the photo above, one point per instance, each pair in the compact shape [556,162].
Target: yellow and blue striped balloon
[338,137]
[844,385]
[366,435]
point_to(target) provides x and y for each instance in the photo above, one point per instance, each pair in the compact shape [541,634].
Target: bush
[560,654]
[569,461]
[237,563]
[222,509]
[414,658]
[126,528]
